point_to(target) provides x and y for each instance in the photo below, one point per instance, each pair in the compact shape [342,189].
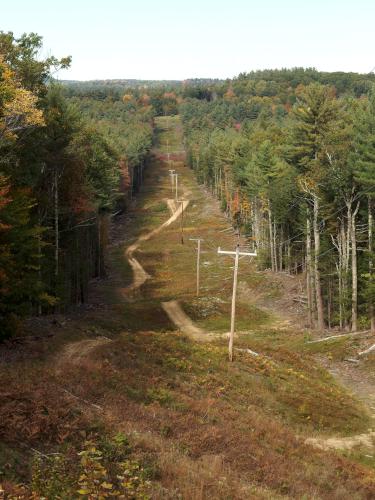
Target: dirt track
[173,309]
[76,351]
[139,274]
[183,322]
[344,443]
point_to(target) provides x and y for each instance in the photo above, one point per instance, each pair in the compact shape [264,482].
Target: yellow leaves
[47,299]
[229,94]
[18,106]
[306,184]
[23,108]
[106,486]
[83,491]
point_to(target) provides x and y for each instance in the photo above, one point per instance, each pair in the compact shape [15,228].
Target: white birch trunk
[354,270]
[370,263]
[318,290]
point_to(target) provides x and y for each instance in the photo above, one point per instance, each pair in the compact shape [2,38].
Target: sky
[165,39]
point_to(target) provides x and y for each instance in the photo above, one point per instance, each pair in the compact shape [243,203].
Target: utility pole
[237,255]
[182,218]
[168,154]
[172,173]
[198,240]
[176,180]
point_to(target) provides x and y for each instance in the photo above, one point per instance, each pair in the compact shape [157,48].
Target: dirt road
[140,276]
[183,322]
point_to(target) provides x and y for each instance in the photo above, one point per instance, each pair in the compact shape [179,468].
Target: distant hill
[134,83]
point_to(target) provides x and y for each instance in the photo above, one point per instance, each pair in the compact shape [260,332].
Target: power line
[237,253]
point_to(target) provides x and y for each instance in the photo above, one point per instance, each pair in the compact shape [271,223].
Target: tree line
[295,170]
[65,167]
[289,153]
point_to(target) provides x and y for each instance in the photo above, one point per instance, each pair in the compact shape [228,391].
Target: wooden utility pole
[181,219]
[198,240]
[237,253]
[172,173]
[176,181]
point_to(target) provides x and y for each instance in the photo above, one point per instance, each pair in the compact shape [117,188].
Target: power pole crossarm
[236,255]
[250,254]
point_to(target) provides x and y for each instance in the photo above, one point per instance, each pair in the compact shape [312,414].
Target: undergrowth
[152,414]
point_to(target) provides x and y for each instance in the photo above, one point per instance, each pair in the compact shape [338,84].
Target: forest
[66,167]
[115,196]
[290,155]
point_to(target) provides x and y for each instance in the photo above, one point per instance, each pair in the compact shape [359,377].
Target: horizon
[372,72]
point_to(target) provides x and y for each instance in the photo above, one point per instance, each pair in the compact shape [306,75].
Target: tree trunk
[99,267]
[281,249]
[318,290]
[340,245]
[309,274]
[370,263]
[270,227]
[354,270]
[131,174]
[56,216]
[345,242]
[289,255]
[339,272]
[329,305]
[39,269]
[275,247]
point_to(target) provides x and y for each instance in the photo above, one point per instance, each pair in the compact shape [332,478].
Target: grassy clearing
[175,278]
[178,401]
[186,423]
[335,349]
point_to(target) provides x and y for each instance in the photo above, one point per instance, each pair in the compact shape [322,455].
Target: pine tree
[20,286]
[363,161]
[315,113]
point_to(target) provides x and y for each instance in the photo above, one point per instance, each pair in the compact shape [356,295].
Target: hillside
[137,380]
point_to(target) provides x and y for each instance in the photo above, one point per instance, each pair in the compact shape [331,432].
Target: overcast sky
[165,39]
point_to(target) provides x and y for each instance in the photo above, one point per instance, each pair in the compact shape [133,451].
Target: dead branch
[367,351]
[349,334]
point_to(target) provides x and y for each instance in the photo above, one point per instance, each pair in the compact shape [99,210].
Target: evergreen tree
[363,160]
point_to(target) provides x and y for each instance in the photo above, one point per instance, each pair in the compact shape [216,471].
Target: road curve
[140,276]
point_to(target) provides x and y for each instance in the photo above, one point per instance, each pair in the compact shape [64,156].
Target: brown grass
[204,429]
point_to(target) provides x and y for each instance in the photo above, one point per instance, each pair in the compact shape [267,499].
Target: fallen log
[248,351]
[367,351]
[349,334]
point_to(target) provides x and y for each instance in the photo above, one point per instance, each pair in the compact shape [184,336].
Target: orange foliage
[235,205]
[169,95]
[144,100]
[229,94]
[125,176]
